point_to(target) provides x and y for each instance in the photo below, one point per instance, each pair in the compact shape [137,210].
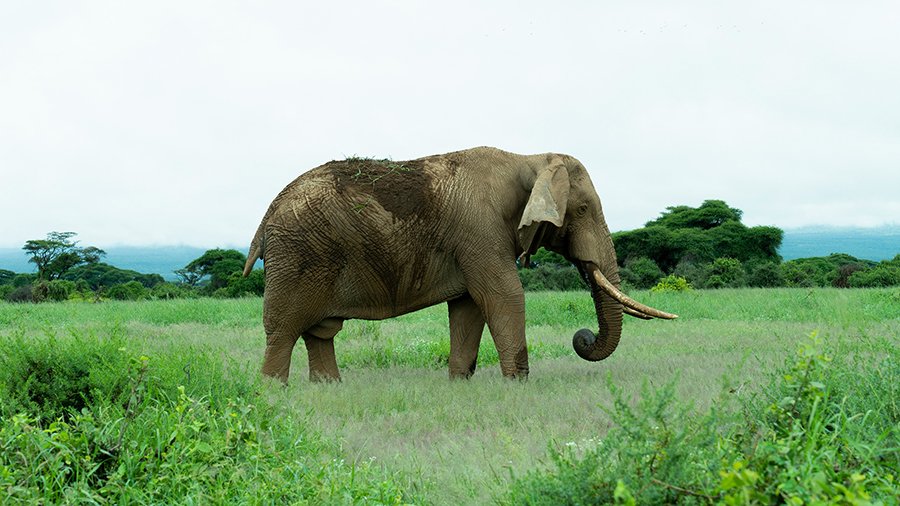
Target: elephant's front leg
[501,298]
[466,326]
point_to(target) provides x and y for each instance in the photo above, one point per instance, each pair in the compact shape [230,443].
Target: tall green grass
[87,421]
[396,424]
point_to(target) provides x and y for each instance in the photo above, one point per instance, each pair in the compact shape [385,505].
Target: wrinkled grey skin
[372,240]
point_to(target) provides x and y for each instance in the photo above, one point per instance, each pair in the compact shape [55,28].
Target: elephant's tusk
[636,314]
[626,301]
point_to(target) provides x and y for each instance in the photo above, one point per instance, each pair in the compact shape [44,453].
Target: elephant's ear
[546,206]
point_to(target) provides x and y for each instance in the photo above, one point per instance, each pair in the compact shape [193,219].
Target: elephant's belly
[378,291]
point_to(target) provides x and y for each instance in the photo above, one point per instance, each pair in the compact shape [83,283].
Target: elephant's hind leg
[282,332]
[285,319]
[466,326]
[319,341]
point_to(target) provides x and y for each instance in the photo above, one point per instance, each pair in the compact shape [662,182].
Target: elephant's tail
[256,249]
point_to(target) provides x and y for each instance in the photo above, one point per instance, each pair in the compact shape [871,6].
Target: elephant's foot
[324,377]
[277,362]
[462,374]
[322,362]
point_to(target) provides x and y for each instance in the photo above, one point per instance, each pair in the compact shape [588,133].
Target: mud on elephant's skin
[373,239]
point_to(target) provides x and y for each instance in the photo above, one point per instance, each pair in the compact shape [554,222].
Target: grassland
[396,419]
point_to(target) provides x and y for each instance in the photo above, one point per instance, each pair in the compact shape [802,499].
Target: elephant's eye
[582,209]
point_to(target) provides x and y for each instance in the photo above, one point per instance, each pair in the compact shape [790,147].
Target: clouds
[177,123]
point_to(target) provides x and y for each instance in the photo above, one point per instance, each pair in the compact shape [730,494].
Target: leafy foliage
[821,433]
[710,214]
[886,273]
[725,273]
[100,275]
[58,253]
[86,421]
[216,266]
[765,275]
[550,271]
[821,271]
[641,273]
[131,290]
[672,283]
[699,235]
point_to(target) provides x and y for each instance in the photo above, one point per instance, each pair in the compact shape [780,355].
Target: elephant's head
[563,213]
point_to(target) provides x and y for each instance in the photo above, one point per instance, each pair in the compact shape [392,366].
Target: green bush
[99,275]
[60,290]
[672,283]
[886,273]
[20,294]
[641,273]
[85,421]
[725,273]
[821,271]
[551,277]
[765,275]
[168,291]
[20,280]
[252,285]
[50,378]
[824,431]
[132,290]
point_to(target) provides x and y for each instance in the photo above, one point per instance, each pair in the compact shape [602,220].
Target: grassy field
[409,432]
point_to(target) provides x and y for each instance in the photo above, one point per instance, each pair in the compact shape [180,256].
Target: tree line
[67,271]
[709,247]
[702,247]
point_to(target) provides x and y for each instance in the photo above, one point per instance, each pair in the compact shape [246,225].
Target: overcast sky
[177,123]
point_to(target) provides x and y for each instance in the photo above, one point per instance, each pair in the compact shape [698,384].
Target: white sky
[178,122]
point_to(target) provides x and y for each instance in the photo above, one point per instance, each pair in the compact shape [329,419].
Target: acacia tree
[698,235]
[58,253]
[217,264]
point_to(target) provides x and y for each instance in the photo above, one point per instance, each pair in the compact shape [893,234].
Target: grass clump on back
[824,431]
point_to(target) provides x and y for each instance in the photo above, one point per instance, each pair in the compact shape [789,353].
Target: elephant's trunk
[597,346]
[609,303]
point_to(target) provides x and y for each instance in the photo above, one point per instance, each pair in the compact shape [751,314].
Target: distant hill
[162,260]
[878,243]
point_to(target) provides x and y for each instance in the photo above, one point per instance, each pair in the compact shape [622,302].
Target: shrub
[725,273]
[85,421]
[168,291]
[20,280]
[695,273]
[672,283]
[821,432]
[50,378]
[765,275]
[551,277]
[886,273]
[821,271]
[20,294]
[641,273]
[60,290]
[132,290]
[40,291]
[239,286]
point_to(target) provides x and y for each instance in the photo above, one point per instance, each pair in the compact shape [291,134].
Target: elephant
[371,239]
